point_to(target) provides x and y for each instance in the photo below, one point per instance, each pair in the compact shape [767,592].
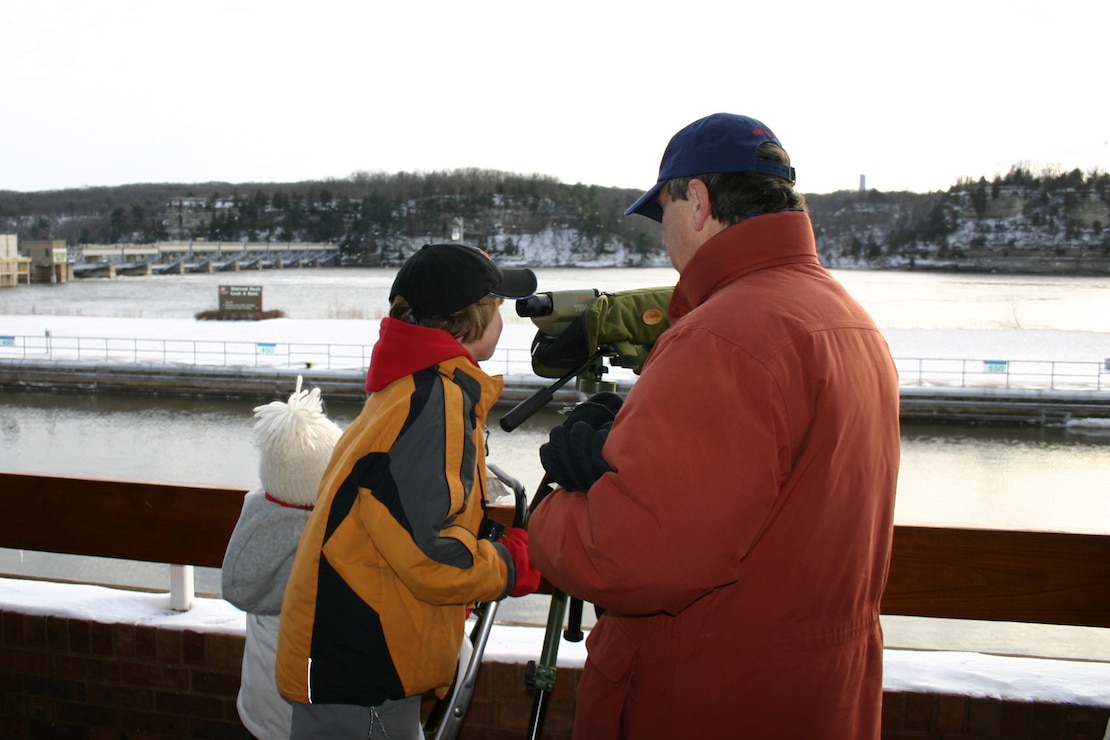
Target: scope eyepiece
[539,304]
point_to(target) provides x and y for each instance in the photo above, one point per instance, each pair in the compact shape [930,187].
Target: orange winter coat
[390,557]
[741,546]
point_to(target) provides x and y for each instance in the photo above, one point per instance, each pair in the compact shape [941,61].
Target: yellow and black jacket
[390,559]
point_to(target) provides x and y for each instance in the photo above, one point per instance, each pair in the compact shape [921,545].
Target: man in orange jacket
[735,520]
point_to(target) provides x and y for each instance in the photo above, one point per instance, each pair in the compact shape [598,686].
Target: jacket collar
[780,238]
[403,349]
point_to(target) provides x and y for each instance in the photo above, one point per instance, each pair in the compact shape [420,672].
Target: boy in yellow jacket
[391,557]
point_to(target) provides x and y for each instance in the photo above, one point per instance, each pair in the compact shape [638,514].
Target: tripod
[623,327]
[541,675]
[564,608]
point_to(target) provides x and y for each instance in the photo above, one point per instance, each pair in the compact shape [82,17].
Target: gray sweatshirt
[255,569]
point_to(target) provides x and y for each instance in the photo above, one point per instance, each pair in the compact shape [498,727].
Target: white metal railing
[219,353]
[913,371]
[185,352]
[1053,375]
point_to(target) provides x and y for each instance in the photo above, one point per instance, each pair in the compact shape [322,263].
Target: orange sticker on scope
[652,316]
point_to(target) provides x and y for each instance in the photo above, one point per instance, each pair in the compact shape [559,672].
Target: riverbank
[245,383]
[974,405]
[1011,376]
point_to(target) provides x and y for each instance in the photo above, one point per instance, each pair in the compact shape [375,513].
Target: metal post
[181,587]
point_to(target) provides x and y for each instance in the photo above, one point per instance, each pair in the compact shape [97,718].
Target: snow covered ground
[1003,344]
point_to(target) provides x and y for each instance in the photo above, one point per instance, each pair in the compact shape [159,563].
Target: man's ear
[698,195]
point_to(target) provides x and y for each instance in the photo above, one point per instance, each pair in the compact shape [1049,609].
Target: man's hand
[572,457]
[598,410]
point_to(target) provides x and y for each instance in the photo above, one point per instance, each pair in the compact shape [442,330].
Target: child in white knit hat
[295,440]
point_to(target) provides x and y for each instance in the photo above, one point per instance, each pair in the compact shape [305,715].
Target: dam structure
[181,257]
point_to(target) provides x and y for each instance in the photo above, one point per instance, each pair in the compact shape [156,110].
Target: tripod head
[581,333]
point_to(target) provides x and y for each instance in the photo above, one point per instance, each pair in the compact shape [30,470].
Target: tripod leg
[573,632]
[447,716]
[541,676]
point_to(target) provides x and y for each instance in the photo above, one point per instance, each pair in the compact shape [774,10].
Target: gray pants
[390,720]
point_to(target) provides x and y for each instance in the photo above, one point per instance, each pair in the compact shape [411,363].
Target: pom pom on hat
[295,439]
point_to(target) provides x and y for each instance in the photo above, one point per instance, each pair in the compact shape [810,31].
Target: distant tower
[863,183]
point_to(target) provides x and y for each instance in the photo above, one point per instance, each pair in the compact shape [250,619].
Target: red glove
[527,577]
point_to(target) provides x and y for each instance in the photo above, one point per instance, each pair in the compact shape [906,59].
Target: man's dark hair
[736,196]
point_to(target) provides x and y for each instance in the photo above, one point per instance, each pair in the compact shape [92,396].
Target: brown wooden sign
[240,297]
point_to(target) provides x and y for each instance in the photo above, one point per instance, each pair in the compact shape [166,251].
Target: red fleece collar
[403,349]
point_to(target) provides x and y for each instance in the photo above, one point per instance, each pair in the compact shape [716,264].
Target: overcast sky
[912,95]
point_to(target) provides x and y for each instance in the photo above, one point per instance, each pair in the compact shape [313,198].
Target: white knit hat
[296,441]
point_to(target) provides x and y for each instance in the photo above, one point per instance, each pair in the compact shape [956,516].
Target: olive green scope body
[554,311]
[575,324]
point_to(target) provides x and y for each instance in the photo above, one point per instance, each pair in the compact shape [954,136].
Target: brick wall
[939,717]
[68,678]
[73,679]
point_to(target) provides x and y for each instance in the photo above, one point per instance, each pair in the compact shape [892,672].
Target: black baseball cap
[440,279]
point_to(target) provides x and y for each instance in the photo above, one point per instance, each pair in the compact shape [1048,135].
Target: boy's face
[482,348]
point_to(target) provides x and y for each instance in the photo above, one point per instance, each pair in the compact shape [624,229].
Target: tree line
[372,216]
[366,214]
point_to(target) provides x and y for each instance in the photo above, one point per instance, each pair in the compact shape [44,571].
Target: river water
[1048,479]
[896,300]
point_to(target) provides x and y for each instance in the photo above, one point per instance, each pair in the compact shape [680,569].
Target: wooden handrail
[156,522]
[1036,577]
[1000,575]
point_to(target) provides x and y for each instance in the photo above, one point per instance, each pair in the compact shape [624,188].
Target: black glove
[572,455]
[599,410]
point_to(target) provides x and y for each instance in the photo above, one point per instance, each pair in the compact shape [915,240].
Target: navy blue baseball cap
[440,279]
[722,142]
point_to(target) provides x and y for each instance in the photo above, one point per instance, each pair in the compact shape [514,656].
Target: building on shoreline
[12,265]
